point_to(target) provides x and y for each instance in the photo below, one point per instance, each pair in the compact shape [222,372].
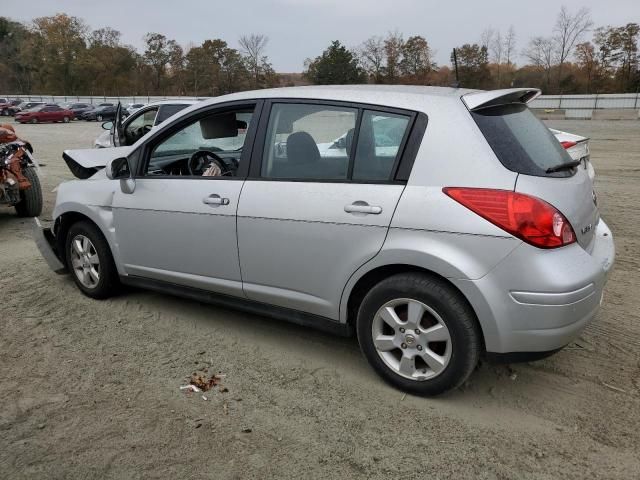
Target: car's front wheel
[419,333]
[90,261]
[65,119]
[99,118]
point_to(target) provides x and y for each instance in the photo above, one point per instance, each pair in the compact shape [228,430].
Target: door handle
[215,199]
[363,207]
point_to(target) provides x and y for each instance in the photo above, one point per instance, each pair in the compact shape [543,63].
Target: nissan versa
[439,224]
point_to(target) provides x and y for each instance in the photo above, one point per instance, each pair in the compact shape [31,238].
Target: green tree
[417,61]
[61,43]
[473,66]
[157,55]
[336,66]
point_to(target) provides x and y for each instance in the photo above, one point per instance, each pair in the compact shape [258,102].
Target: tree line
[61,55]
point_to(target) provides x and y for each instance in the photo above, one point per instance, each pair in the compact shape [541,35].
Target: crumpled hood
[85,162]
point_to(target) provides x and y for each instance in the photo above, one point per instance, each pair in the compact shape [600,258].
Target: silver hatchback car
[439,224]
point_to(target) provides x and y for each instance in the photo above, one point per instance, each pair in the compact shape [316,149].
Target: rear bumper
[540,300]
[45,241]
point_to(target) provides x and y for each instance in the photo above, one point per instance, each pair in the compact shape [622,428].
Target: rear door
[318,202]
[525,145]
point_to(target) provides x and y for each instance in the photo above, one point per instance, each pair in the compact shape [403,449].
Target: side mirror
[118,169]
[107,125]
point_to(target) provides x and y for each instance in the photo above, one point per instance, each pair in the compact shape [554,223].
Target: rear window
[520,141]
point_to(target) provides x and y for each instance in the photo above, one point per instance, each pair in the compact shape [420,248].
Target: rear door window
[522,143]
[307,141]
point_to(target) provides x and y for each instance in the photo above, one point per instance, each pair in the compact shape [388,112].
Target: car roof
[177,101]
[401,96]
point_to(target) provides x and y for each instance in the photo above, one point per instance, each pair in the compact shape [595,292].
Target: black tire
[99,118]
[34,120]
[455,312]
[65,119]
[108,283]
[30,204]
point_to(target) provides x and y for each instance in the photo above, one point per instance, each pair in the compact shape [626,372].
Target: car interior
[315,142]
[211,147]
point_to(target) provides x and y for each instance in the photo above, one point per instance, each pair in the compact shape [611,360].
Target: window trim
[168,130]
[404,158]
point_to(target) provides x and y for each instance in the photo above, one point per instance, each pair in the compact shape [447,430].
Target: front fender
[92,199]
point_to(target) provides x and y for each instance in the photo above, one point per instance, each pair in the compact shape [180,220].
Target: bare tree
[253,47]
[486,37]
[568,30]
[540,53]
[496,47]
[510,46]
[372,56]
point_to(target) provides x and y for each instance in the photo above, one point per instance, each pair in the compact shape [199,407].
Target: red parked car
[45,113]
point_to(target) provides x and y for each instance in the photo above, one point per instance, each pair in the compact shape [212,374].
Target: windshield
[522,143]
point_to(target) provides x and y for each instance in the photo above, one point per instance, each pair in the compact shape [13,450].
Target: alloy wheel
[85,261]
[412,339]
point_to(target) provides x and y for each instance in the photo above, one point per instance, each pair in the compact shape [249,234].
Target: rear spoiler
[478,100]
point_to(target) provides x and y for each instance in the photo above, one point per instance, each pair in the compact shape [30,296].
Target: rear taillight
[567,144]
[528,218]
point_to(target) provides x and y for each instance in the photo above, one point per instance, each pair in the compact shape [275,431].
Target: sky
[300,29]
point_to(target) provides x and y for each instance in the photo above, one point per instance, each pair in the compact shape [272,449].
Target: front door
[320,201]
[179,224]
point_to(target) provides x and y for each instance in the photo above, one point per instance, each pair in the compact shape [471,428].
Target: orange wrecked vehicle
[19,183]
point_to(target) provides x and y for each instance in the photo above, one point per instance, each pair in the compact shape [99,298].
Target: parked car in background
[100,113]
[23,106]
[141,122]
[78,108]
[435,251]
[578,147]
[131,108]
[45,113]
[7,106]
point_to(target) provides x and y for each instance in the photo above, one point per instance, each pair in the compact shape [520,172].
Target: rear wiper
[563,166]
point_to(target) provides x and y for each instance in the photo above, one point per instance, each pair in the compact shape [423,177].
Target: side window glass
[308,142]
[208,147]
[139,126]
[379,140]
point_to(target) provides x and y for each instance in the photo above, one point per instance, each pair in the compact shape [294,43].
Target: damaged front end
[48,246]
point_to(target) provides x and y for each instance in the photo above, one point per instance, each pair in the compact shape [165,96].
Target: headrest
[302,148]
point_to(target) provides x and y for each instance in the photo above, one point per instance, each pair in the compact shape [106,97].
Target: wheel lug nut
[417,330]
[401,330]
[404,345]
[419,347]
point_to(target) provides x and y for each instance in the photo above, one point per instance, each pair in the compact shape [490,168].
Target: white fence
[588,102]
[604,101]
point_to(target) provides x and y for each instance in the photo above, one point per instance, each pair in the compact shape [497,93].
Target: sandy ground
[90,389]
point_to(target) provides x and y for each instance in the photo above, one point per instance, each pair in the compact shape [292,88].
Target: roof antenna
[455,84]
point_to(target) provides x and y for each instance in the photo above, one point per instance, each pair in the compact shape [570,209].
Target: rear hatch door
[523,144]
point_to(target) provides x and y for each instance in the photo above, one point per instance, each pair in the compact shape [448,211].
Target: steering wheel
[202,159]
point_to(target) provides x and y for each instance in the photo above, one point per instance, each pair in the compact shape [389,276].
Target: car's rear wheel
[99,118]
[30,204]
[90,261]
[419,333]
[65,119]
[34,120]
